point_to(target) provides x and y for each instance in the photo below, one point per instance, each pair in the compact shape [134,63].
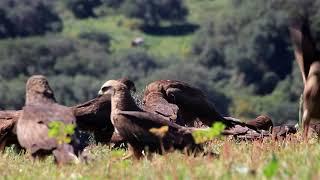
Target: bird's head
[39,84]
[110,86]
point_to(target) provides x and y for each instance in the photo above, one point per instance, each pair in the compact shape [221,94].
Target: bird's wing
[148,120]
[304,46]
[159,105]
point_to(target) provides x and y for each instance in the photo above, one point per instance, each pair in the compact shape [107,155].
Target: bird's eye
[105,88]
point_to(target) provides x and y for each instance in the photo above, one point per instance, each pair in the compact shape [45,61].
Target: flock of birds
[164,105]
[175,105]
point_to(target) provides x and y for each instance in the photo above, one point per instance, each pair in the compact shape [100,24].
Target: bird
[94,116]
[184,104]
[39,111]
[311,97]
[308,59]
[136,125]
[262,122]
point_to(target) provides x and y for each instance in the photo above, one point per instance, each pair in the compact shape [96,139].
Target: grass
[237,160]
[123,30]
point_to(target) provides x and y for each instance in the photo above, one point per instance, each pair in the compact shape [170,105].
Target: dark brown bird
[304,45]
[308,60]
[94,116]
[32,127]
[134,124]
[183,104]
[261,122]
[311,97]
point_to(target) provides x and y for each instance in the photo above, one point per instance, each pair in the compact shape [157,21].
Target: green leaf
[53,132]
[203,135]
[69,129]
[272,167]
[61,131]
[67,140]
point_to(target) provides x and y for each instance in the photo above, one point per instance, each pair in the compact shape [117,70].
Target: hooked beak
[100,93]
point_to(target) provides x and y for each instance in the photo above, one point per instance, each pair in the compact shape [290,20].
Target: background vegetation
[244,160]
[238,51]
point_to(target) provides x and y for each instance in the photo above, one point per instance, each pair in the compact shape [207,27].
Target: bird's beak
[100,93]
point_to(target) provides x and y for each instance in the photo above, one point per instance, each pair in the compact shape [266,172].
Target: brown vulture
[186,105]
[261,122]
[39,111]
[308,60]
[134,124]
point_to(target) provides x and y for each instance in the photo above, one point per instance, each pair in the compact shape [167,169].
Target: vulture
[183,104]
[261,122]
[33,124]
[135,125]
[308,60]
[94,116]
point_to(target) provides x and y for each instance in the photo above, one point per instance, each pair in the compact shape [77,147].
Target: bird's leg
[135,152]
[301,110]
[161,146]
[3,144]
[306,122]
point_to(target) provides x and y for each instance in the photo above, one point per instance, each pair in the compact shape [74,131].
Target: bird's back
[32,126]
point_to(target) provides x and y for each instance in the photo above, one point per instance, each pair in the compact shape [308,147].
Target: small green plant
[203,135]
[61,131]
[271,168]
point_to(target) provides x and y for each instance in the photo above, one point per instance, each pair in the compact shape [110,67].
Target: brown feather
[41,109]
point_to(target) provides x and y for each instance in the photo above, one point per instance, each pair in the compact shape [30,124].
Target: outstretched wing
[304,46]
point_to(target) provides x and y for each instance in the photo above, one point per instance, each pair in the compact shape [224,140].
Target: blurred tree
[252,44]
[83,8]
[26,18]
[153,11]
[133,63]
[76,68]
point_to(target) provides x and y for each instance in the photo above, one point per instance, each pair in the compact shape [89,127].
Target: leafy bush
[74,68]
[83,8]
[153,11]
[254,49]
[135,64]
[20,18]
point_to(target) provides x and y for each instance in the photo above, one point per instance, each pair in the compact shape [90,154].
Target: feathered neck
[122,100]
[33,97]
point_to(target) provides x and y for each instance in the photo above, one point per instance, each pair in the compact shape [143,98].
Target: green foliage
[250,47]
[76,67]
[83,8]
[20,18]
[271,168]
[243,63]
[203,135]
[133,63]
[153,11]
[61,132]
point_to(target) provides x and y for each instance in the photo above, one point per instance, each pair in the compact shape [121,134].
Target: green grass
[123,34]
[237,160]
[123,30]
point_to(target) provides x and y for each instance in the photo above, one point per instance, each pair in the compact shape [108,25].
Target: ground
[294,159]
